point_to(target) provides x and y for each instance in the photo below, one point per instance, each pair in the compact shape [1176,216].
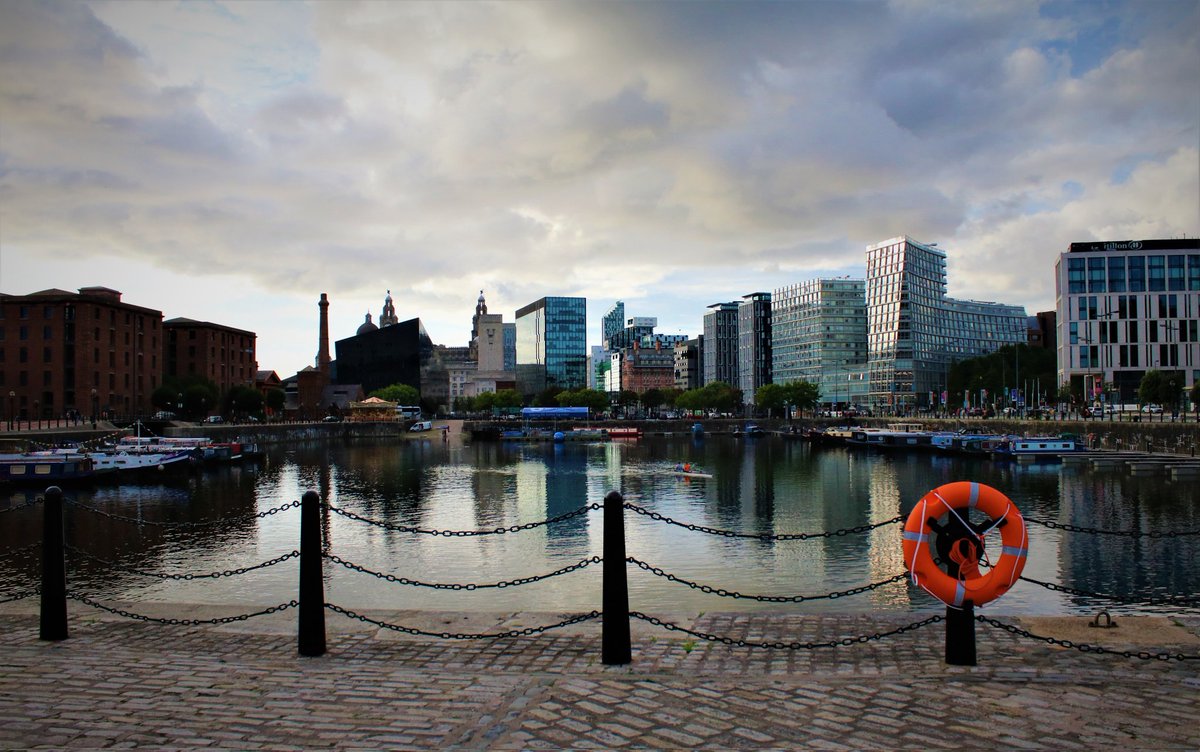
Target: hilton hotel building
[1124,308]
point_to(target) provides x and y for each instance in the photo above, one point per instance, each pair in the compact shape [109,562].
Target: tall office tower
[819,335]
[754,344]
[915,332]
[552,345]
[1124,308]
[721,344]
[612,324]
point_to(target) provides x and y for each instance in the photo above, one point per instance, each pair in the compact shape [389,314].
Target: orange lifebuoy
[955,500]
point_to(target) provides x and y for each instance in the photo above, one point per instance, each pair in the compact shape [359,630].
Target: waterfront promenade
[121,683]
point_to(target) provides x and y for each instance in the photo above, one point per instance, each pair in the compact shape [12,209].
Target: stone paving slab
[122,683]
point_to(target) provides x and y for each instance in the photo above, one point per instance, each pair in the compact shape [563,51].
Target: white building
[1125,308]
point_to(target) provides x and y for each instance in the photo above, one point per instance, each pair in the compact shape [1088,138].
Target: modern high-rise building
[1124,308]
[721,344]
[689,364]
[552,345]
[754,343]
[915,332]
[510,348]
[612,324]
[819,335]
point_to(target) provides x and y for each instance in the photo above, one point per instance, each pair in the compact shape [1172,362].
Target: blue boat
[46,469]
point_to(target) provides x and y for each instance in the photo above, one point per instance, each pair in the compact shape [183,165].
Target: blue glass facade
[552,345]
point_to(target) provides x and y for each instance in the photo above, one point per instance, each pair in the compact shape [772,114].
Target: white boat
[128,462]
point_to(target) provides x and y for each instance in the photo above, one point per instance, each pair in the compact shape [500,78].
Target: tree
[652,398]
[401,394]
[548,397]
[506,399]
[593,400]
[770,397]
[276,400]
[243,400]
[1161,388]
[165,398]
[803,395]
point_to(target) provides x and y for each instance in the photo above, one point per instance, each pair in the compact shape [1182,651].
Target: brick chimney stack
[323,345]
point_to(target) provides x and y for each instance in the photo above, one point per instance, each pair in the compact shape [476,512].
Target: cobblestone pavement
[117,683]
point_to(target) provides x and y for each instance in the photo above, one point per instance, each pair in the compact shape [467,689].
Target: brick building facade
[85,352]
[221,354]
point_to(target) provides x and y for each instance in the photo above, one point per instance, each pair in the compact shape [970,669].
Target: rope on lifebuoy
[954,501]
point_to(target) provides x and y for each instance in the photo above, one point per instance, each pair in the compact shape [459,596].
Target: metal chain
[19,507]
[169,576]
[762,536]
[843,642]
[764,598]
[526,632]
[179,525]
[21,596]
[1170,600]
[185,622]
[1123,533]
[1085,648]
[463,533]
[469,586]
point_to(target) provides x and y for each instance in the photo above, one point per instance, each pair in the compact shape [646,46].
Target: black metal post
[312,588]
[54,568]
[616,645]
[960,635]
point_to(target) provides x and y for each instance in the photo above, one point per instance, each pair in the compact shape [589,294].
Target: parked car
[421,425]
[332,419]
[164,415]
[214,419]
[1152,409]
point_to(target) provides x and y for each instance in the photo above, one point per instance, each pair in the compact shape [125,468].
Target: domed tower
[388,317]
[367,326]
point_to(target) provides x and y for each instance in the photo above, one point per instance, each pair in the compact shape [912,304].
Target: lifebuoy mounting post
[939,531]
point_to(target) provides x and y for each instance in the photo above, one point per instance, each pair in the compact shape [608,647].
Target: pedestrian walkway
[121,683]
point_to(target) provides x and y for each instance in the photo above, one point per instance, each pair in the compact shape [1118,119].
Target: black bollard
[54,568]
[960,635]
[312,588]
[616,645]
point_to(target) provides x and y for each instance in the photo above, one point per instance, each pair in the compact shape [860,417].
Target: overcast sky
[231,161]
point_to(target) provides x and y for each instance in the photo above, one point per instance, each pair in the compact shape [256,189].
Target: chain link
[463,533]
[843,642]
[764,598]
[762,536]
[1122,533]
[1184,601]
[526,632]
[179,525]
[185,622]
[19,507]
[21,596]
[1085,648]
[169,576]
[582,563]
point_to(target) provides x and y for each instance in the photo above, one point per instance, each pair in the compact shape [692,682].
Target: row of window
[1133,273]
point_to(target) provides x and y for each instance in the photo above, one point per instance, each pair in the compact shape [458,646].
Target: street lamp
[95,407]
[37,413]
[12,396]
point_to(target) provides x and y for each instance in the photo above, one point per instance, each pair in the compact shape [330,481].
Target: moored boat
[46,469]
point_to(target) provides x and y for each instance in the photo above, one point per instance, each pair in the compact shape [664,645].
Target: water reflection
[763,487]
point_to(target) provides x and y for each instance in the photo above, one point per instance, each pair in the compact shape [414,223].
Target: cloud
[657,152]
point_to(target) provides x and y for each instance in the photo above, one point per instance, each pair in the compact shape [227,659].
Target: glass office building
[754,344]
[721,344]
[552,345]
[915,332]
[1124,308]
[819,335]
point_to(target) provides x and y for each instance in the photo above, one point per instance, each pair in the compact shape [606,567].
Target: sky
[231,161]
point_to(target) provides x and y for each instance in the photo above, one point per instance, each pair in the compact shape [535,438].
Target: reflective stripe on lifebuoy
[956,499]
